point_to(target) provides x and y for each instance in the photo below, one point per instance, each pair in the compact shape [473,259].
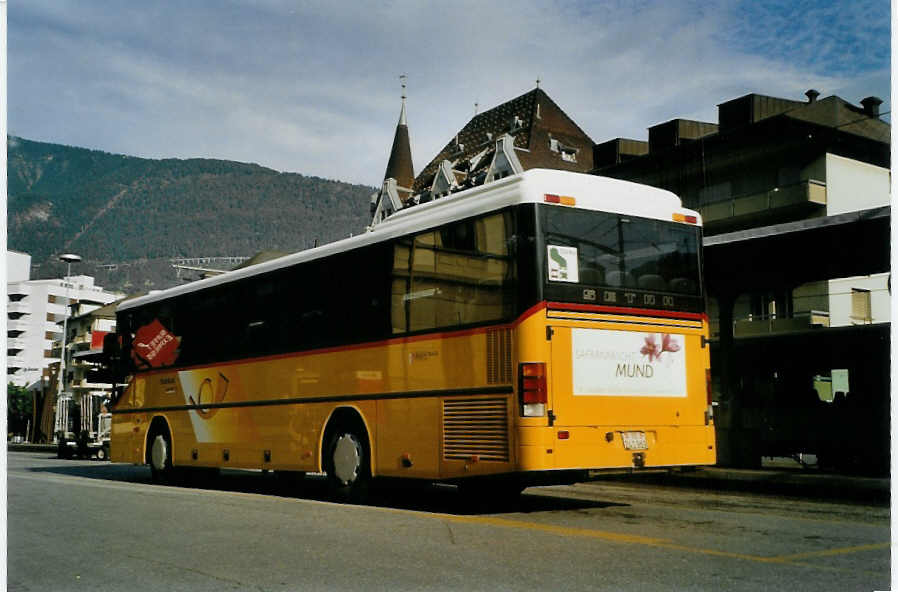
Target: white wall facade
[840,299]
[35,313]
[852,185]
[18,267]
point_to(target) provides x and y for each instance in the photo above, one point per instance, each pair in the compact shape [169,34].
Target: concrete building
[85,388]
[795,197]
[35,311]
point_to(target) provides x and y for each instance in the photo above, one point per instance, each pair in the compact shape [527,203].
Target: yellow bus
[527,331]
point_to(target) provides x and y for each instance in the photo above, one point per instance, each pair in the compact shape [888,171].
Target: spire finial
[402,79]
[476,106]
[537,82]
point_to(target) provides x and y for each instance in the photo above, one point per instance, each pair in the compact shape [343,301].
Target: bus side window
[459,275]
[261,326]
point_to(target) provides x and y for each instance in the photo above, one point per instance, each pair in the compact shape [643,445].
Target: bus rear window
[618,256]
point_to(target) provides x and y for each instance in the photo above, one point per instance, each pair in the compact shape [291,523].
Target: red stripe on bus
[642,312]
[536,308]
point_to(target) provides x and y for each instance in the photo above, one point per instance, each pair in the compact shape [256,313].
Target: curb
[31,448]
[780,482]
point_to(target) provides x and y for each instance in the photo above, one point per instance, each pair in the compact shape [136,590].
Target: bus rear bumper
[594,448]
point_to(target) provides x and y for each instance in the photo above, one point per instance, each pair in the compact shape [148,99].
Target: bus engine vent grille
[475,428]
[498,356]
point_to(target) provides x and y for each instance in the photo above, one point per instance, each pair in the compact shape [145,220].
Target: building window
[568,153]
[861,306]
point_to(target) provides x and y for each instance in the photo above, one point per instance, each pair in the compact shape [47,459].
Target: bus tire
[347,463]
[101,453]
[159,456]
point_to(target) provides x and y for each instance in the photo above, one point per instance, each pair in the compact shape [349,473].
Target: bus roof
[590,192]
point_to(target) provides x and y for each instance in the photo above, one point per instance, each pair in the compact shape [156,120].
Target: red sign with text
[155,345]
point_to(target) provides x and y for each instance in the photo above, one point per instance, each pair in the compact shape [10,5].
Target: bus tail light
[708,386]
[709,414]
[533,390]
[565,200]
[688,219]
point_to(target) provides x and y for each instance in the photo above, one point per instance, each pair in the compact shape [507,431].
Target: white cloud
[312,87]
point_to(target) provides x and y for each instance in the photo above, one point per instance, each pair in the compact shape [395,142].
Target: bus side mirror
[112,358]
[112,348]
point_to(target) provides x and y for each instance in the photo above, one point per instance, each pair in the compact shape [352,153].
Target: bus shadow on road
[421,497]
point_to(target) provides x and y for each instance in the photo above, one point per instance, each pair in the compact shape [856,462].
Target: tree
[19,409]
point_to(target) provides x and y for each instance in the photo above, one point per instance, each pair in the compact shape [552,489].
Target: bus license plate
[634,440]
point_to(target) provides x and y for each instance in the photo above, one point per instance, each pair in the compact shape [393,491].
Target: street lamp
[68,258]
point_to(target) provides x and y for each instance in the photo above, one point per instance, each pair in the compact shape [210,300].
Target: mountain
[127,216]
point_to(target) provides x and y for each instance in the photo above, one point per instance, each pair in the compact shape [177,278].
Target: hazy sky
[313,87]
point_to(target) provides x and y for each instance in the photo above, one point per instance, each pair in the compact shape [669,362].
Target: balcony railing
[18,307]
[18,289]
[18,362]
[756,325]
[18,344]
[17,325]
[90,384]
[59,311]
[805,192]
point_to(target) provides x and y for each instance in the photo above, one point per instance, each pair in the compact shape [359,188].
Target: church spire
[399,166]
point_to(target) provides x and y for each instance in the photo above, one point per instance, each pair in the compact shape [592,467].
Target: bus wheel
[160,457]
[101,453]
[347,465]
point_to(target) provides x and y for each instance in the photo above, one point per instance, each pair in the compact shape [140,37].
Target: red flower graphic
[650,348]
[654,351]
[668,344]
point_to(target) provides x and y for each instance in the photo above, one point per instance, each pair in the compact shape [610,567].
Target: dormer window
[568,153]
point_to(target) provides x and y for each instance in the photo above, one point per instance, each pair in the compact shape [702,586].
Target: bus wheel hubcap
[347,459]
[160,453]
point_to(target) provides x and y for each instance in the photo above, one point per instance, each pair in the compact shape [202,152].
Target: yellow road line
[617,537]
[829,552]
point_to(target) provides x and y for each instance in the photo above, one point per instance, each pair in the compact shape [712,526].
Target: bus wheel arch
[346,453]
[159,450]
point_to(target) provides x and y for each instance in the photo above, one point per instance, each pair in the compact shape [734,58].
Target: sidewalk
[48,448]
[776,478]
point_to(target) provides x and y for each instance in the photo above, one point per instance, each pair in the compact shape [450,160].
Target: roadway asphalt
[83,524]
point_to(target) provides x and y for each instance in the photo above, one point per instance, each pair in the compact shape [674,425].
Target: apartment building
[35,313]
[85,389]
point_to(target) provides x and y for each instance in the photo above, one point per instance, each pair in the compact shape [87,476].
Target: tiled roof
[473,136]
